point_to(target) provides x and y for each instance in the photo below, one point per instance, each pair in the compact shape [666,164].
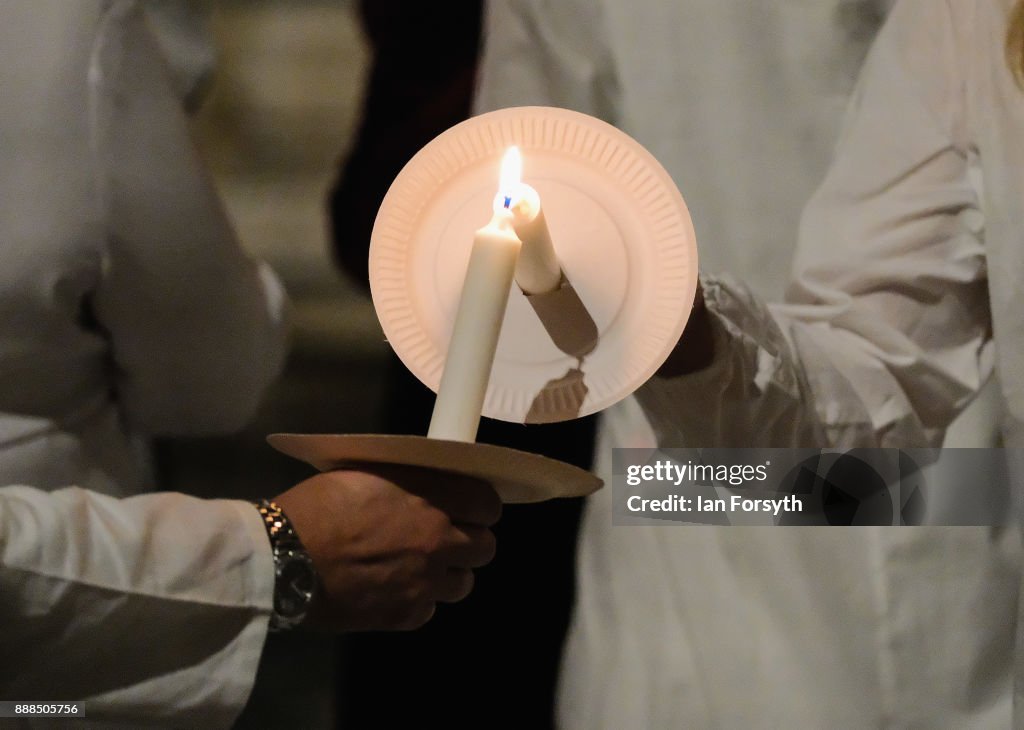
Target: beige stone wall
[280,115]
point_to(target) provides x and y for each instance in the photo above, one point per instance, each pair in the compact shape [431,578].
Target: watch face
[297,581]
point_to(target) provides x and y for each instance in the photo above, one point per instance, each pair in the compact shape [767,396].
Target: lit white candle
[538,270]
[474,340]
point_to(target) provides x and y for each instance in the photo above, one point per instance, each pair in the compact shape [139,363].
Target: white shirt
[704,627]
[149,610]
[127,308]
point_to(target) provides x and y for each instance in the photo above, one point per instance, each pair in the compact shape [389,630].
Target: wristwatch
[295,578]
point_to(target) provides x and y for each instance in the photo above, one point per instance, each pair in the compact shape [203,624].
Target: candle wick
[508,201]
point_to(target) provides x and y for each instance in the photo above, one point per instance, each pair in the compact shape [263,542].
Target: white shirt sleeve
[148,609]
[197,327]
[885,334]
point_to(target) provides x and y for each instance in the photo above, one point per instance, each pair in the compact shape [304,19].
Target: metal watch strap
[286,547]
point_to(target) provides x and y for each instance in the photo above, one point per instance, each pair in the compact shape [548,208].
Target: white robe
[705,627]
[127,309]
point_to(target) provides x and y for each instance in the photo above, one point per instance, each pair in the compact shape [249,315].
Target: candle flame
[511,174]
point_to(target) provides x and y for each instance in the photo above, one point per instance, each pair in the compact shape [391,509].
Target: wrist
[295,578]
[695,349]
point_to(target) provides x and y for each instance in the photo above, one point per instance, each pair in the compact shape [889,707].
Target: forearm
[732,380]
[150,607]
[778,378]
[886,334]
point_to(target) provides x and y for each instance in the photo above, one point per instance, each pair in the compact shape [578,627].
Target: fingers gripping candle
[474,340]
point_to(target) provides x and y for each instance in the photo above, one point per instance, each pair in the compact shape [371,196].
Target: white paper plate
[517,476]
[620,227]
